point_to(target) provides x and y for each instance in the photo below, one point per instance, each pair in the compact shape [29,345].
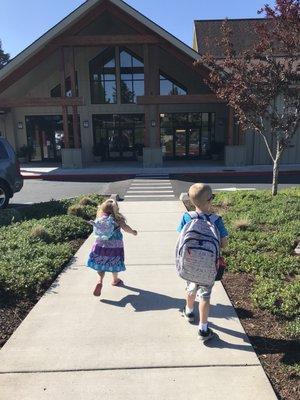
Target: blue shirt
[219,224]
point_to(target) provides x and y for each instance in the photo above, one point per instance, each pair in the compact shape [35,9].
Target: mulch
[267,336]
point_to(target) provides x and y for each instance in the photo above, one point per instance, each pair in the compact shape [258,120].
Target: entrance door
[44,137]
[181,143]
[187,143]
[120,143]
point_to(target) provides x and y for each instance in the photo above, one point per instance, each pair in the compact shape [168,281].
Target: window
[169,87]
[56,91]
[132,77]
[103,78]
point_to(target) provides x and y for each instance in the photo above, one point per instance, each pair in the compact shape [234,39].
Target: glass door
[121,143]
[181,144]
[194,142]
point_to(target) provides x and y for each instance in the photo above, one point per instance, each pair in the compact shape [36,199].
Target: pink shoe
[97,290]
[118,282]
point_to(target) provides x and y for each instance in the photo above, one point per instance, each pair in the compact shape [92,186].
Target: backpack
[198,250]
[104,227]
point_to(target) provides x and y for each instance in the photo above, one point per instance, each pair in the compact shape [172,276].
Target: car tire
[4,195]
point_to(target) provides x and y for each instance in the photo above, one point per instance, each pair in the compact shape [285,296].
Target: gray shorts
[202,292]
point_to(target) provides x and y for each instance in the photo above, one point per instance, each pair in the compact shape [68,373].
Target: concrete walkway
[132,343]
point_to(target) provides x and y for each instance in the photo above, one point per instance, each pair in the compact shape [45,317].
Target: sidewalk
[119,170]
[132,343]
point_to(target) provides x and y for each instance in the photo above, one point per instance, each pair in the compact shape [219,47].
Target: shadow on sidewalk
[146,300]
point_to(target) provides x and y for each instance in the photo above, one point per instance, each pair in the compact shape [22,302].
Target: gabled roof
[208,33]
[76,15]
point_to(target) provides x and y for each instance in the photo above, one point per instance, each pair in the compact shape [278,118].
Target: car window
[3,152]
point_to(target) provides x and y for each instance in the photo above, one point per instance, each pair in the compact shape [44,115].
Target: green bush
[34,250]
[293,328]
[276,297]
[9,216]
[266,294]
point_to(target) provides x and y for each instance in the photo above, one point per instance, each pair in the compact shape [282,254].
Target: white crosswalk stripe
[150,187]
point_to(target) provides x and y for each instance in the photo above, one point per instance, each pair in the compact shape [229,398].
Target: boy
[201,197]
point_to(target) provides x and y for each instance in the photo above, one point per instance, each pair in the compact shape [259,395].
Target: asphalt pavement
[35,190]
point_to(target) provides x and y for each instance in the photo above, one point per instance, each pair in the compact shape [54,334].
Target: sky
[22,22]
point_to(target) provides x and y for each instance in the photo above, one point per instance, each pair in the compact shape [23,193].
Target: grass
[264,231]
[36,242]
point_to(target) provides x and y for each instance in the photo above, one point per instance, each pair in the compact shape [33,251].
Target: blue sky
[22,21]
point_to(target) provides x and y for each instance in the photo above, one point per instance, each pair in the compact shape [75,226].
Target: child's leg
[204,310]
[190,300]
[101,276]
[204,304]
[98,288]
[116,280]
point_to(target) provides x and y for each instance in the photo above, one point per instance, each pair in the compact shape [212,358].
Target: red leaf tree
[261,84]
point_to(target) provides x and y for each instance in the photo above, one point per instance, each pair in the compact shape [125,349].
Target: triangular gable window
[103,78]
[169,87]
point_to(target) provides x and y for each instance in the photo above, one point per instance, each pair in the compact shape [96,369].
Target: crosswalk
[150,187]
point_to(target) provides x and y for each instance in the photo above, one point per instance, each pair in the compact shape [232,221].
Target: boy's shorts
[202,292]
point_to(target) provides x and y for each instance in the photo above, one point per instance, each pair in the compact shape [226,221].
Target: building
[108,84]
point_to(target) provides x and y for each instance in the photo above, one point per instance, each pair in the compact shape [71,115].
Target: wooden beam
[180,99]
[74,108]
[41,102]
[105,40]
[65,126]
[230,127]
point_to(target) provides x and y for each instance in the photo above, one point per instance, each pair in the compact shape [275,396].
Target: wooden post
[63,94]
[230,127]
[74,108]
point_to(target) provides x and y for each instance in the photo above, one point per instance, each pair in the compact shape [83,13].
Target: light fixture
[86,124]
[153,123]
[20,125]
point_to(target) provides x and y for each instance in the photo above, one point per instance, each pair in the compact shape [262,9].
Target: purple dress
[108,255]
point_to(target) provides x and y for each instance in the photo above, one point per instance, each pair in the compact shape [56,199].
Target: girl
[107,254]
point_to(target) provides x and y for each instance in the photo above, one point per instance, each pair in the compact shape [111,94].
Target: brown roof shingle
[208,34]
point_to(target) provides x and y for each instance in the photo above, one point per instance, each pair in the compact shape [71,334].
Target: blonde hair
[200,194]
[110,207]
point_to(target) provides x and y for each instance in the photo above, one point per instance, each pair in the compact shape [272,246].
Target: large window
[108,71]
[170,87]
[132,77]
[103,78]
[56,91]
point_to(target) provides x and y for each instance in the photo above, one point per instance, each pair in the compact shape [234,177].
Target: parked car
[10,176]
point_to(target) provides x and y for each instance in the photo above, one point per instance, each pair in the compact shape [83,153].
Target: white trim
[77,14]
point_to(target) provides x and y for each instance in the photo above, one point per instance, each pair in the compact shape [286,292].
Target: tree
[4,57]
[261,84]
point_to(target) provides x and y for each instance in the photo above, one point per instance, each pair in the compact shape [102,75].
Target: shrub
[9,216]
[87,201]
[293,328]
[266,293]
[39,232]
[242,224]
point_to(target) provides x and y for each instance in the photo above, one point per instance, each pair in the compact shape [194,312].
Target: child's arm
[127,228]
[224,242]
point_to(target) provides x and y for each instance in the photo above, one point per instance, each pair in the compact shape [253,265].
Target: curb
[119,176]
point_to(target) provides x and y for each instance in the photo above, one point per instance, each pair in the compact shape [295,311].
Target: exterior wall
[44,77]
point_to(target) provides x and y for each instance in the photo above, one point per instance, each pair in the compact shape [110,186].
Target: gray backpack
[198,249]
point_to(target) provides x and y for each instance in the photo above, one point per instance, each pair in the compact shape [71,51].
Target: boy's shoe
[204,336]
[190,316]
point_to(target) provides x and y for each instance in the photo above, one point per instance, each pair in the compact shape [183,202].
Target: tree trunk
[275,175]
